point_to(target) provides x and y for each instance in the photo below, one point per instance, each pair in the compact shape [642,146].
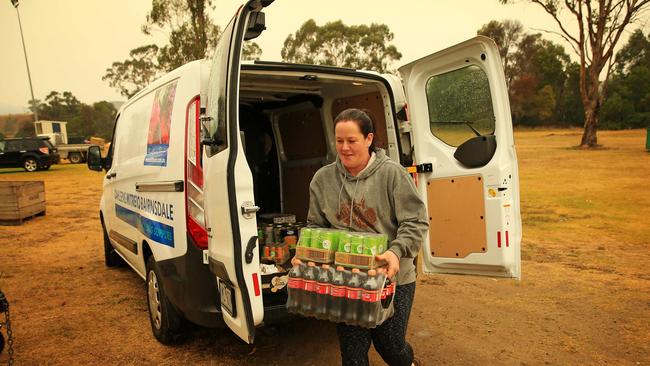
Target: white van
[199,154]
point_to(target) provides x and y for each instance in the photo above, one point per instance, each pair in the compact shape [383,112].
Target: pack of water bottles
[340,295]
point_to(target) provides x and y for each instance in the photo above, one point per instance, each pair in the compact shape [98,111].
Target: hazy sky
[70,43]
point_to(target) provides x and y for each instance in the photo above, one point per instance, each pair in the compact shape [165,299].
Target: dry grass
[584,297]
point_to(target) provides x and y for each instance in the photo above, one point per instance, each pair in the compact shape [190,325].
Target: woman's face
[351,146]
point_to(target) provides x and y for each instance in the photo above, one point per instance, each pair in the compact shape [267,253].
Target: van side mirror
[256,25]
[94,159]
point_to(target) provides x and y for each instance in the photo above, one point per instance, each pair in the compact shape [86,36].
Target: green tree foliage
[628,103]
[570,109]
[594,31]
[506,35]
[535,71]
[26,130]
[336,44]
[189,29]
[133,74]
[83,120]
[191,35]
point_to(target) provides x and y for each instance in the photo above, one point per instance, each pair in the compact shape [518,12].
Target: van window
[460,101]
[109,155]
[217,127]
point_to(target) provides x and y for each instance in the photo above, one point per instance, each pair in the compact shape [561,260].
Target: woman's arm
[411,217]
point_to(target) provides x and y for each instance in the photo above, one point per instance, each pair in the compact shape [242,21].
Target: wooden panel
[296,190]
[456,216]
[302,134]
[21,199]
[371,102]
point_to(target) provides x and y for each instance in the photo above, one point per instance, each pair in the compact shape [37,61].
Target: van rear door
[228,190]
[467,165]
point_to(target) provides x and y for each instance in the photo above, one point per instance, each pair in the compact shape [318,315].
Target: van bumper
[192,288]
[193,291]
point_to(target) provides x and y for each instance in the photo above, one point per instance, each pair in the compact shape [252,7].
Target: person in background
[364,190]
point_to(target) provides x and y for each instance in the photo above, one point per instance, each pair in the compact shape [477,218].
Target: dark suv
[31,153]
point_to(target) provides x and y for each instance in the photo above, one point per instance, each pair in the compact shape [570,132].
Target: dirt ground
[584,298]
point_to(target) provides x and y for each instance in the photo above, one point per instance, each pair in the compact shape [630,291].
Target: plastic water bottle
[337,295]
[309,293]
[323,287]
[295,288]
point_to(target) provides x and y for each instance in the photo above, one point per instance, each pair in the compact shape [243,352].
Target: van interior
[286,121]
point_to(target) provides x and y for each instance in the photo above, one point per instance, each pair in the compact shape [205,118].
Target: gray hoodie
[384,200]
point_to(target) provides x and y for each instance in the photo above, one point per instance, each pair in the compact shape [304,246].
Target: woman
[364,190]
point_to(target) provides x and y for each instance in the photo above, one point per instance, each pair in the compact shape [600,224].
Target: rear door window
[460,105]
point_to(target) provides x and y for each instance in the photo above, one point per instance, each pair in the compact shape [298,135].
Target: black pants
[389,338]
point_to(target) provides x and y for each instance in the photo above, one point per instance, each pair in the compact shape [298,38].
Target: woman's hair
[362,119]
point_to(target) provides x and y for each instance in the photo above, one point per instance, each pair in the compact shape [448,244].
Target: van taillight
[44,150]
[195,216]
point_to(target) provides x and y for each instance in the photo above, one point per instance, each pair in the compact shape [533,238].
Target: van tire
[111,258]
[30,164]
[75,158]
[166,323]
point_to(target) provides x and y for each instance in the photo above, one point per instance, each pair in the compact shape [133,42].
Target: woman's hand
[392,263]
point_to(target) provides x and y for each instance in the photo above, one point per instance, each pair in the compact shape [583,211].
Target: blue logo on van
[154,230]
[156,155]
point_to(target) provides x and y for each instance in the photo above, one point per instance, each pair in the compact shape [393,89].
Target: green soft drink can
[383,243]
[356,244]
[344,242]
[313,241]
[327,239]
[371,244]
[305,237]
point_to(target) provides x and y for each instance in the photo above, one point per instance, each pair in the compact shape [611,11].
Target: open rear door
[229,203]
[464,148]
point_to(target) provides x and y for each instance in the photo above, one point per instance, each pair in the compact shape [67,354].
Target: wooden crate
[20,200]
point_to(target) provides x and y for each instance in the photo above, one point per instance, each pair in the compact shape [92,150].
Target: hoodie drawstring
[352,205]
[341,192]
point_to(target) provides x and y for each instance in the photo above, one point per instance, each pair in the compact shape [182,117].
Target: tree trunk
[589,138]
[591,102]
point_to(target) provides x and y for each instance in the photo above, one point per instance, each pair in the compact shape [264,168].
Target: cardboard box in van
[198,156]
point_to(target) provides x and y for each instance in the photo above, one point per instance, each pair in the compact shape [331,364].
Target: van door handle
[111,175]
[250,247]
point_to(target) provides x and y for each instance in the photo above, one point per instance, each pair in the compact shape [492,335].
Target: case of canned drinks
[348,249]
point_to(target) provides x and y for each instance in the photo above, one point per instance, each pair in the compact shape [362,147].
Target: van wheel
[30,164]
[75,158]
[166,322]
[111,258]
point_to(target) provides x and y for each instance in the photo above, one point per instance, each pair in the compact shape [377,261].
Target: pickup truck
[73,150]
